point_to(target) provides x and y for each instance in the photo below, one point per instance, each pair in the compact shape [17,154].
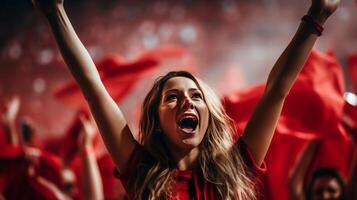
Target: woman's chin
[190,143]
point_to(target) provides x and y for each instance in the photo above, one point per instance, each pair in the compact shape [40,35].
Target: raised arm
[299,171]
[261,126]
[92,181]
[110,120]
[9,121]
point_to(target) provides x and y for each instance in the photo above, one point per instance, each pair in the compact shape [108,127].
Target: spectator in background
[325,183]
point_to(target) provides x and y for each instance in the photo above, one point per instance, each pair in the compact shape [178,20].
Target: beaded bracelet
[312,23]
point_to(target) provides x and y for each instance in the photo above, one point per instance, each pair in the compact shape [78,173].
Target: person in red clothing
[325,182]
[186,149]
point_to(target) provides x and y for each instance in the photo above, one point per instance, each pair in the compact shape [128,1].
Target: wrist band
[312,22]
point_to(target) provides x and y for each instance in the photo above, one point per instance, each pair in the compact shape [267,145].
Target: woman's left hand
[322,9]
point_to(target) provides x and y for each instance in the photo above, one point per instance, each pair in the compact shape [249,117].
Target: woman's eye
[197,96]
[171,97]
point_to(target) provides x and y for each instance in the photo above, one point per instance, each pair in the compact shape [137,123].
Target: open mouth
[188,124]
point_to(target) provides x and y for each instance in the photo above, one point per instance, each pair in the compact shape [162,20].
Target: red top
[189,184]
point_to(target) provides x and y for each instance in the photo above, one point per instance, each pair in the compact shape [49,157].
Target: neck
[185,159]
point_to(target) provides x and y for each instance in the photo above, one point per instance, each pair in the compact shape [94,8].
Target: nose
[187,103]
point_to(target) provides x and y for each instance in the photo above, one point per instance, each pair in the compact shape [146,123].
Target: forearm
[73,51]
[292,59]
[261,126]
[92,181]
[60,195]
[12,136]
[110,120]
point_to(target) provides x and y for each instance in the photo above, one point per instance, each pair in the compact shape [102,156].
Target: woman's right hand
[47,6]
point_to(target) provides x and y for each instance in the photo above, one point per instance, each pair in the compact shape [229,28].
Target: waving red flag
[118,78]
[66,146]
[118,75]
[314,104]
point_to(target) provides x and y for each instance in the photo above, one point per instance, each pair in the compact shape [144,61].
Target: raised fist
[322,9]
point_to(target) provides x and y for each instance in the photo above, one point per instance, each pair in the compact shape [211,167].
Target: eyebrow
[176,90]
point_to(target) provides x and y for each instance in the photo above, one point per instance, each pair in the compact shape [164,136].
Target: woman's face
[326,188]
[183,113]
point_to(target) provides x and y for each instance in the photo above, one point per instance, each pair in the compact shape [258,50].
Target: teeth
[187,130]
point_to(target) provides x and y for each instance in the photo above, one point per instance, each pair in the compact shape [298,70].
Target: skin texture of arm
[261,126]
[109,118]
[53,188]
[298,173]
[92,181]
[9,121]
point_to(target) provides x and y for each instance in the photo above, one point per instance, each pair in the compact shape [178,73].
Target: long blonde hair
[220,163]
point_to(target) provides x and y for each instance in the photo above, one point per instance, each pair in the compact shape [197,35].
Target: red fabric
[118,78]
[118,75]
[15,181]
[112,187]
[284,151]
[2,135]
[350,115]
[189,184]
[312,109]
[318,89]
[352,68]
[280,158]
[66,146]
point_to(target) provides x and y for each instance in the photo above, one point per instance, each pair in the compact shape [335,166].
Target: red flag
[352,68]
[111,185]
[120,76]
[280,158]
[314,104]
[66,146]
